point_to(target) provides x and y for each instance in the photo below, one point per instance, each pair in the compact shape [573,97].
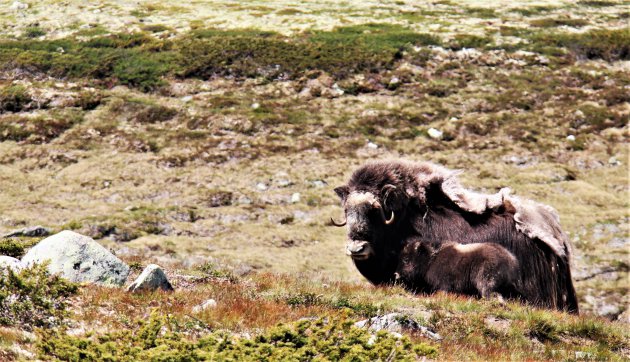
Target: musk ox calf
[478,269]
[390,204]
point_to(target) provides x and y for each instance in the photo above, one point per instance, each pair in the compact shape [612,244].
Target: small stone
[319,183]
[31,231]
[613,161]
[210,303]
[295,198]
[152,278]
[9,262]
[284,183]
[186,99]
[571,138]
[18,6]
[395,323]
[435,133]
[261,186]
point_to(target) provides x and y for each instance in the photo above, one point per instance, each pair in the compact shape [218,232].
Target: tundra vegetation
[207,137]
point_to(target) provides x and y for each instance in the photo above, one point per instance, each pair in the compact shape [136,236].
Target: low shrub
[330,338]
[33,298]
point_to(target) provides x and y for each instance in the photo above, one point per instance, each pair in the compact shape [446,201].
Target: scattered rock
[78,258]
[295,198]
[32,231]
[624,317]
[9,262]
[319,183]
[613,161]
[18,6]
[151,278]
[501,325]
[210,303]
[435,133]
[396,323]
[609,311]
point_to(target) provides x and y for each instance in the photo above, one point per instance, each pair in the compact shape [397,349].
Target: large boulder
[78,258]
[151,278]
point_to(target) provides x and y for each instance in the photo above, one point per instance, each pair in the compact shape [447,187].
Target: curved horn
[391,219]
[385,220]
[336,223]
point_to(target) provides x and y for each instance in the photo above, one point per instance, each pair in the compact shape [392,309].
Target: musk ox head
[369,215]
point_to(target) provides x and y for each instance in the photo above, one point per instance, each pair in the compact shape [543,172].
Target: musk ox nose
[358,249]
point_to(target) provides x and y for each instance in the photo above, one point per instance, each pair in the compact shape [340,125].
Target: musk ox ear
[342,192]
[393,197]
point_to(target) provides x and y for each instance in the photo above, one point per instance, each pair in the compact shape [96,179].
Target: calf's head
[369,216]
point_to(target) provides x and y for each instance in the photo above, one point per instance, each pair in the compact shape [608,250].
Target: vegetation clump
[14,98]
[330,338]
[32,297]
[604,44]
[39,129]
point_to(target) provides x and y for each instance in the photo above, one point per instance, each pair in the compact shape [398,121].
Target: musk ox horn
[385,220]
[391,219]
[337,223]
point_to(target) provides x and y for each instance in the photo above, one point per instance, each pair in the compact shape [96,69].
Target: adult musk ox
[393,204]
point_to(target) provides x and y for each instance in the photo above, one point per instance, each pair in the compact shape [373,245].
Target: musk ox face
[367,217]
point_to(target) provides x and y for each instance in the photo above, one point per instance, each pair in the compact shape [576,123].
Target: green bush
[325,339]
[33,298]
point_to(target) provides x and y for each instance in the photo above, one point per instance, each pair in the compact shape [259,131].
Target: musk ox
[390,204]
[477,269]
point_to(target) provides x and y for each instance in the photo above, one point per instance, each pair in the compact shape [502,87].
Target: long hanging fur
[433,208]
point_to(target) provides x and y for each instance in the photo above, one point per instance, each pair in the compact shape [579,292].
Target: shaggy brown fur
[478,269]
[431,207]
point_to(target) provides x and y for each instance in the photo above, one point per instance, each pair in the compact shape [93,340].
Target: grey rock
[608,311]
[151,278]
[210,303]
[9,262]
[396,323]
[29,231]
[78,258]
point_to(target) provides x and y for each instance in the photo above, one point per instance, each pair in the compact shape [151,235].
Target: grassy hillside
[213,133]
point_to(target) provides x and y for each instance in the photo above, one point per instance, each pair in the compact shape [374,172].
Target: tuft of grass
[604,44]
[461,41]
[38,129]
[14,98]
[598,3]
[555,22]
[33,32]
[33,298]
